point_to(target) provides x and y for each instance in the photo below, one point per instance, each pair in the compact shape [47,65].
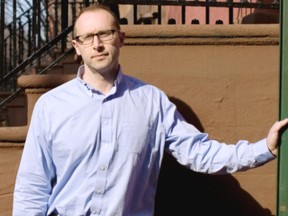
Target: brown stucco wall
[227,76]
[224,79]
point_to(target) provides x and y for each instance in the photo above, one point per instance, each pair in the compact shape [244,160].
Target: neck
[103,82]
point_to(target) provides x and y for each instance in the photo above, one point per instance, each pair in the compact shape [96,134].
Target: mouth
[99,56]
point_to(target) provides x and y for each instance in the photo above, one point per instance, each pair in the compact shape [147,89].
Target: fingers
[274,134]
[279,125]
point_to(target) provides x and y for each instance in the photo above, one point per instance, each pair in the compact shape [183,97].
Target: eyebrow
[95,32]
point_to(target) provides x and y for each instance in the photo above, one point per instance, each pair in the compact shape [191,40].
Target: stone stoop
[10,155]
[15,119]
[12,138]
[68,65]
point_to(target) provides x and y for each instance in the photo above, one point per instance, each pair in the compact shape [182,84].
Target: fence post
[2,27]
[282,177]
[64,22]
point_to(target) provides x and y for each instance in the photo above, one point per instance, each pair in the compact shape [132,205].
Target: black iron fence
[29,32]
[230,5]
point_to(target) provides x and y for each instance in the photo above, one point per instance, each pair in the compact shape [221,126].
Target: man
[95,144]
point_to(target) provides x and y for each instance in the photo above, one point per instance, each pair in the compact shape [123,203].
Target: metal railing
[31,31]
[207,4]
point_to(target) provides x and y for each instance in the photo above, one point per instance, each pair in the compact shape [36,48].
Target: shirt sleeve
[199,153]
[35,174]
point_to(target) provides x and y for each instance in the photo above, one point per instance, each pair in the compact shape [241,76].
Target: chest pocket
[134,137]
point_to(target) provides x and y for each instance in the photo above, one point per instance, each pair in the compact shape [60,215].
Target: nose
[96,41]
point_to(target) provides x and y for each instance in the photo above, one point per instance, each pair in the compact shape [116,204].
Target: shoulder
[58,92]
[140,85]
[145,92]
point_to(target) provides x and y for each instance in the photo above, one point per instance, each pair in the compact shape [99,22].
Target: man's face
[99,56]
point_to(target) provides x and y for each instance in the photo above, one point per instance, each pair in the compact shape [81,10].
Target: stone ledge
[202,34]
[46,81]
[11,145]
[13,134]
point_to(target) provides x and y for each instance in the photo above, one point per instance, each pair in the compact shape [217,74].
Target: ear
[121,37]
[75,45]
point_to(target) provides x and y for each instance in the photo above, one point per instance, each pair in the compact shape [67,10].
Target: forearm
[210,156]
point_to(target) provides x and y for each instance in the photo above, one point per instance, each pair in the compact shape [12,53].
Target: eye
[103,34]
[87,37]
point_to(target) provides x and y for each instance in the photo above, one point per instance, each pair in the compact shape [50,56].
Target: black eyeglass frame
[98,34]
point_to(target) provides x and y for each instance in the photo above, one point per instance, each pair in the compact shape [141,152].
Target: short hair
[96,7]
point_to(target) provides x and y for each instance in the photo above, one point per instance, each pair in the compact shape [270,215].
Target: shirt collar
[90,89]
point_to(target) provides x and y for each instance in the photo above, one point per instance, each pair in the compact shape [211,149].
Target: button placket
[105,155]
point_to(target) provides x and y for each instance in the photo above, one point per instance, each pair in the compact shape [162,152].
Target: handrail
[15,93]
[34,28]
[19,69]
[36,54]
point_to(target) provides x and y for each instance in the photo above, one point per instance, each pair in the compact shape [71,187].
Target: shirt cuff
[262,152]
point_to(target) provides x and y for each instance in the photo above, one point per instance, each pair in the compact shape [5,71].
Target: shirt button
[102,168]
[93,209]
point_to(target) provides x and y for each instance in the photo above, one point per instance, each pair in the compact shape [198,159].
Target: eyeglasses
[102,36]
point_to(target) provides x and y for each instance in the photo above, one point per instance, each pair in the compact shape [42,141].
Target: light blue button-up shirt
[92,154]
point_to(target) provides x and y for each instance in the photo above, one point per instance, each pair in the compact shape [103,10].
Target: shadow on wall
[262,16]
[184,192]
